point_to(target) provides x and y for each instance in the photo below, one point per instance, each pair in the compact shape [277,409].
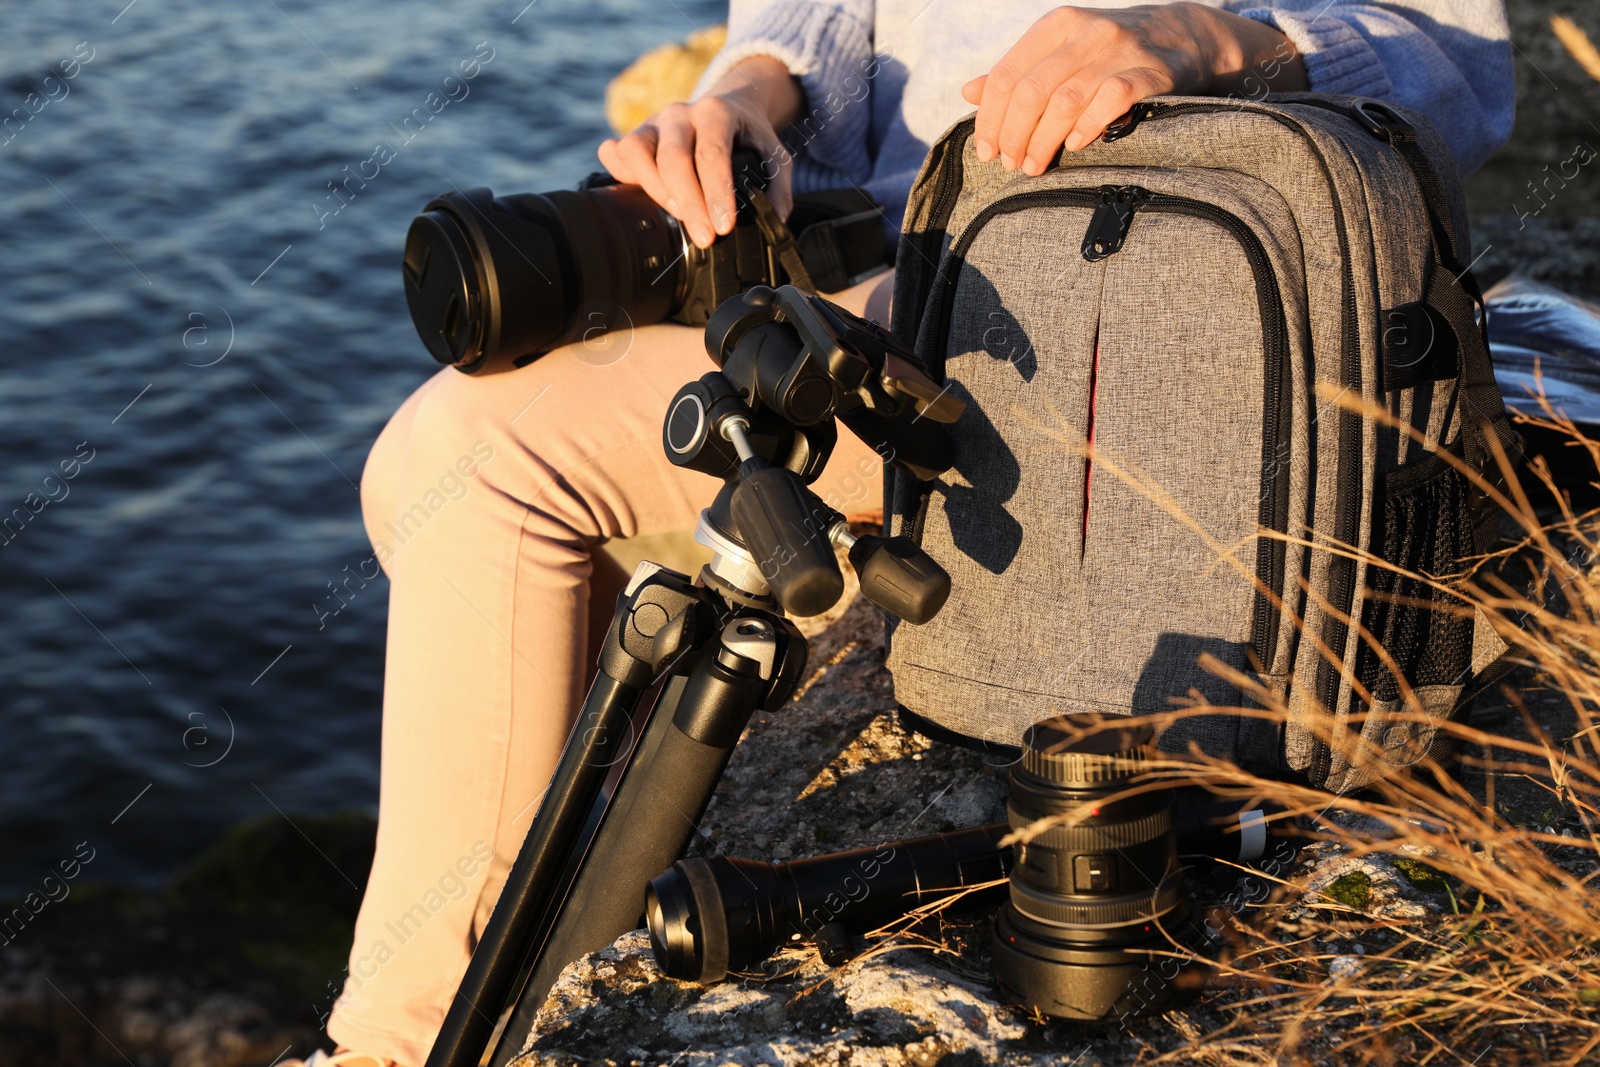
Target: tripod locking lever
[659,617]
[895,574]
[772,508]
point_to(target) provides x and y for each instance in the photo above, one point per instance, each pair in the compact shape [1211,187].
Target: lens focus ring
[1092,837]
[1046,907]
[1079,769]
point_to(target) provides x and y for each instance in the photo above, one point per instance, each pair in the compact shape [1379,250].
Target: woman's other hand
[682,156]
[1077,69]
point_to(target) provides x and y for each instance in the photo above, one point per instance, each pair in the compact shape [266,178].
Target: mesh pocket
[1429,512]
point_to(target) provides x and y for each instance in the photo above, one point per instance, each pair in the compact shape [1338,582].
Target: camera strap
[779,236]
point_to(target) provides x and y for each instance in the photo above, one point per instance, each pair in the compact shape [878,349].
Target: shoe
[340,1058]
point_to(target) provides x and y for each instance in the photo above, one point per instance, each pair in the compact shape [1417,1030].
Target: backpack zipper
[1273,511]
[1113,215]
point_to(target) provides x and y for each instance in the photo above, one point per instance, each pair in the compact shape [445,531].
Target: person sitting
[488,611]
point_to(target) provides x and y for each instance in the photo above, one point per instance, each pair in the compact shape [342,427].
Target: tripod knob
[772,510]
[899,577]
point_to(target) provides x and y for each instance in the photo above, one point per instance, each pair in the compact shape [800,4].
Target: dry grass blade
[1498,963]
[1577,44]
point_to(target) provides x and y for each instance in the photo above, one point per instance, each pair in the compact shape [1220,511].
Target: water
[182,308]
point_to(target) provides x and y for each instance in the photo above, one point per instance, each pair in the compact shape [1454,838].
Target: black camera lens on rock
[711,916]
[1096,907]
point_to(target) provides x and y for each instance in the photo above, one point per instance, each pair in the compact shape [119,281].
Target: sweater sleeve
[828,47]
[1449,59]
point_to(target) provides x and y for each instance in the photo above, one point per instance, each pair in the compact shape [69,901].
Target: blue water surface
[195,336]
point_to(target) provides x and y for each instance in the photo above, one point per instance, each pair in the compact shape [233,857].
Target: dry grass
[1502,966]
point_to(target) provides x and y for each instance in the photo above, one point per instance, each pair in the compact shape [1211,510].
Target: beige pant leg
[484,498]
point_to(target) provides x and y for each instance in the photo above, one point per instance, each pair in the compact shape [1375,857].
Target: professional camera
[493,282]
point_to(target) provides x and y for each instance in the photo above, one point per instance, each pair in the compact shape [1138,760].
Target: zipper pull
[1129,120]
[1113,214]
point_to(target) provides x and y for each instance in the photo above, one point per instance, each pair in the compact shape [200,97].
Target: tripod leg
[758,661]
[660,617]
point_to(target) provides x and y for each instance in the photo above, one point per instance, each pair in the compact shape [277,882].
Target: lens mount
[1102,978]
[688,252]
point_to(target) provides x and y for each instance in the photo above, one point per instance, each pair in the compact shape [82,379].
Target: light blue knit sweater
[883,79]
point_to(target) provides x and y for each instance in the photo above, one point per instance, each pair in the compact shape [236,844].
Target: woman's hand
[683,155]
[1077,69]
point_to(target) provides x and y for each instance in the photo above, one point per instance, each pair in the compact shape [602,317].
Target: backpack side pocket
[1430,512]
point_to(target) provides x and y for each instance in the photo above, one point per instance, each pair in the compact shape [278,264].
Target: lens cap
[442,287]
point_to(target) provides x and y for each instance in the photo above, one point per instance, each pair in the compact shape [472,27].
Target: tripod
[636,773]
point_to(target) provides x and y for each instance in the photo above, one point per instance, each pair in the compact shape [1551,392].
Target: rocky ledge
[835,770]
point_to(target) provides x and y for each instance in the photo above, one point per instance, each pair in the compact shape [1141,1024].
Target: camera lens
[1089,900]
[494,281]
[711,916]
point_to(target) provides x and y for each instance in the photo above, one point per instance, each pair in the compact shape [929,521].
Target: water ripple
[187,155]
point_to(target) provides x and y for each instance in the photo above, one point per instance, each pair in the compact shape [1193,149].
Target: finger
[637,153]
[1060,115]
[972,92]
[1042,38]
[1053,81]
[675,159]
[611,159]
[1115,95]
[714,127]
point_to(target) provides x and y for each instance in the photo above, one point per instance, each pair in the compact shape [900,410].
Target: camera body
[493,282]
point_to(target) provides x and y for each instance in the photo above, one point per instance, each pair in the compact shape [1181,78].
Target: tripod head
[791,364]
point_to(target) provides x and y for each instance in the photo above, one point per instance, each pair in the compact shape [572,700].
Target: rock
[834,769]
[149,1019]
[1398,884]
[232,965]
[660,77]
[1345,966]
[1556,251]
[895,1009]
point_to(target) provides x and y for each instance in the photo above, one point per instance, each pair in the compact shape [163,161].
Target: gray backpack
[1174,294]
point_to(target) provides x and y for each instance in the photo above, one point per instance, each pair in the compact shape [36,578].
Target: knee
[434,445]
[380,477]
[455,424]
[458,431]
